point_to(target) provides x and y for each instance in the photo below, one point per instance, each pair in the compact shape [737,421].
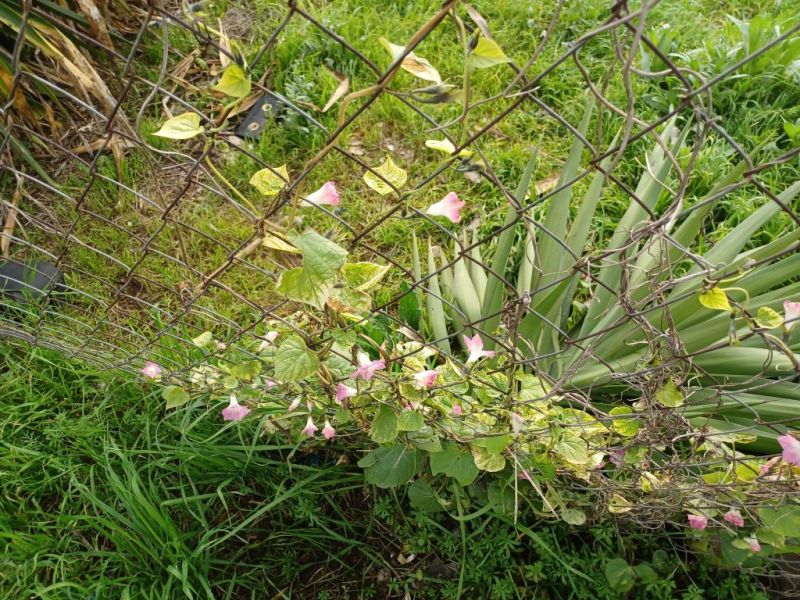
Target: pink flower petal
[450,206]
[516,422]
[698,521]
[270,384]
[791,449]
[474,346]
[344,391]
[426,379]
[754,545]
[791,313]
[457,410]
[326,195]
[294,404]
[367,368]
[310,429]
[734,517]
[151,370]
[234,411]
[328,431]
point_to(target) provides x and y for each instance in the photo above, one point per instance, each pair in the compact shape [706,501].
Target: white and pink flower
[326,195]
[367,368]
[151,370]
[698,521]
[516,422]
[426,379]
[343,392]
[310,429]
[328,431]
[474,346]
[791,449]
[734,517]
[450,206]
[791,313]
[234,411]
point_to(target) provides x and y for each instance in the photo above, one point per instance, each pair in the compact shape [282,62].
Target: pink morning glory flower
[327,194]
[450,206]
[328,431]
[310,429]
[426,379]
[294,404]
[151,370]
[524,475]
[734,517]
[698,521]
[791,449]
[457,410]
[791,313]
[270,384]
[367,368]
[474,345]
[234,411]
[344,391]
[268,341]
[754,545]
[516,422]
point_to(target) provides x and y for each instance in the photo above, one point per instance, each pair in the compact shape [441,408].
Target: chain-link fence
[121,248]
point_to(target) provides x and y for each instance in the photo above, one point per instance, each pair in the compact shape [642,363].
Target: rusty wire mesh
[117,309]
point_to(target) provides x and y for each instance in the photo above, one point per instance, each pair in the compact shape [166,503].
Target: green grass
[104,496]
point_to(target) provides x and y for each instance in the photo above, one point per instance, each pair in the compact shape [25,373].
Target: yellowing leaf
[715,299]
[573,516]
[446,146]
[648,481]
[275,243]
[618,505]
[492,463]
[768,318]
[203,340]
[487,54]
[234,82]
[175,396]
[270,181]
[416,65]
[624,425]
[669,395]
[182,127]
[363,276]
[390,172]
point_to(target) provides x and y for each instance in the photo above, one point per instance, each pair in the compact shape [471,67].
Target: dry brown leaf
[548,183]
[11,221]
[478,20]
[224,47]
[120,143]
[20,102]
[341,89]
[97,23]
[245,104]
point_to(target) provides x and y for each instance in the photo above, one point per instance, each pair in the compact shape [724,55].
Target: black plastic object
[28,282]
[266,109]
